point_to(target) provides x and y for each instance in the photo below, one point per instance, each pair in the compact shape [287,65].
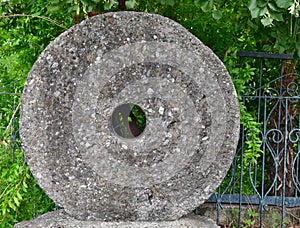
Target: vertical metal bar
[260,87]
[297,162]
[284,161]
[281,73]
[279,119]
[241,162]
[218,206]
[241,175]
[258,114]
[284,135]
[262,196]
[261,61]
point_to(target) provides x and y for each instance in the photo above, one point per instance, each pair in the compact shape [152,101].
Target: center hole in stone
[128,120]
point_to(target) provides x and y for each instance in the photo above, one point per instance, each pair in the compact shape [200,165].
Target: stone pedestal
[61,219]
[128,117]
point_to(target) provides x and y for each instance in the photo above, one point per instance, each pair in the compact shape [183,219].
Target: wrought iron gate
[273,97]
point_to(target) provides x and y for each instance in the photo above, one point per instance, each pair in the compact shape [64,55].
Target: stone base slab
[59,218]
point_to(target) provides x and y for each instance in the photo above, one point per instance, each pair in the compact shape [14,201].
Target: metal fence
[273,98]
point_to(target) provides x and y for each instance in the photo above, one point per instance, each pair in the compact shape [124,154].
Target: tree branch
[122,5]
[41,17]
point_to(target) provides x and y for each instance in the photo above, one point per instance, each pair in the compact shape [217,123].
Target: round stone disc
[128,116]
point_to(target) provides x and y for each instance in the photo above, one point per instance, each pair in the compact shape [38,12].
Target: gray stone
[60,219]
[115,58]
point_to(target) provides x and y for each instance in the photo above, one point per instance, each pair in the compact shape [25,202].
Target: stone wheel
[128,116]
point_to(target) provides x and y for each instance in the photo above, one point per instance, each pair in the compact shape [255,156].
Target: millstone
[128,116]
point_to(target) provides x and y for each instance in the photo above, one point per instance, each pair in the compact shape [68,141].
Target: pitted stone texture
[148,60]
[58,219]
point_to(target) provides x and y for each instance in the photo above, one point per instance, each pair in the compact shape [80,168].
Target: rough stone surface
[60,219]
[111,59]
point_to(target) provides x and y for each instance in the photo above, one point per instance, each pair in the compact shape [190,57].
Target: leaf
[53,8]
[73,8]
[252,5]
[11,205]
[109,4]
[4,173]
[171,2]
[197,2]
[3,210]
[130,4]
[255,12]
[298,49]
[273,7]
[207,5]
[25,184]
[217,14]
[261,3]
[19,195]
[267,21]
[276,16]
[89,9]
[263,11]
[16,200]
[284,3]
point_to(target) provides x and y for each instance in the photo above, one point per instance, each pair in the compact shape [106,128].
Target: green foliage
[277,220]
[242,76]
[26,28]
[17,186]
[252,217]
[250,220]
[282,19]
[128,120]
[17,189]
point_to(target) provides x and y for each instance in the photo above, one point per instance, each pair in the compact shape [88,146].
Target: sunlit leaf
[12,206]
[19,195]
[262,3]
[276,16]
[73,8]
[197,2]
[108,5]
[284,3]
[171,2]
[273,7]
[266,21]
[16,201]
[255,12]
[252,5]
[207,5]
[53,8]
[217,14]
[130,4]
[263,11]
